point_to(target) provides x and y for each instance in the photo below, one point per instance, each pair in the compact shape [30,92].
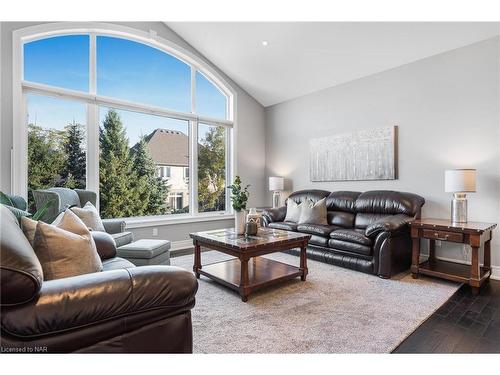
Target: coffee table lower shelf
[262,272]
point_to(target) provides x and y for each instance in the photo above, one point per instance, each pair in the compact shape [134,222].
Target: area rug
[336,310]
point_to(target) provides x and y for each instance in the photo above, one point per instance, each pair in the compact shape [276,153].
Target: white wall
[447,110]
[250,142]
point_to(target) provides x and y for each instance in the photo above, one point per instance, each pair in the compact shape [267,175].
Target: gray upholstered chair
[65,198]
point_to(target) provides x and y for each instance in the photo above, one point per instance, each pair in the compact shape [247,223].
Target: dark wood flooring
[464,324]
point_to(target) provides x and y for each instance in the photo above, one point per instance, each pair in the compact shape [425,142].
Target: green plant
[239,196]
[5,199]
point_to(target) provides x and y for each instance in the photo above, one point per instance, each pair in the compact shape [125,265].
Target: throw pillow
[64,250]
[314,213]
[293,211]
[89,215]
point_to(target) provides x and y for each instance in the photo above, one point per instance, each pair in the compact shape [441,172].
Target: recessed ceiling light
[265,43]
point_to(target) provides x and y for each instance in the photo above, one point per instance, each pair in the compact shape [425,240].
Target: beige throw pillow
[313,213]
[293,211]
[89,215]
[64,250]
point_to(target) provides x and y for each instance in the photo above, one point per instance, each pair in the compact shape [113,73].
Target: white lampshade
[276,183]
[460,180]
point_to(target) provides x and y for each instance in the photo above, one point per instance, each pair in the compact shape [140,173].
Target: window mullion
[193,167]
[92,64]
[93,149]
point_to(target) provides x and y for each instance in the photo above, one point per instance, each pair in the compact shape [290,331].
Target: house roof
[169,147]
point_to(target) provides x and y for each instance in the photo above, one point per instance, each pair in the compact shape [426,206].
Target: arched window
[141,123]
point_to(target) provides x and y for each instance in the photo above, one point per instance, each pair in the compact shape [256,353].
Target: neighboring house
[170,152]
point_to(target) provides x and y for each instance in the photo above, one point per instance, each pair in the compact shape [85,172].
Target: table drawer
[443,235]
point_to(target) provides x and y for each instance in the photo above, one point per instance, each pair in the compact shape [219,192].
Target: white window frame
[93,101]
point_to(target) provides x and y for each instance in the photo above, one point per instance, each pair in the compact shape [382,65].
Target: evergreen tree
[152,189]
[45,159]
[212,170]
[74,171]
[117,179]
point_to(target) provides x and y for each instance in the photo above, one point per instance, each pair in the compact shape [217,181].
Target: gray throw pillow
[90,217]
[312,213]
[293,211]
[64,250]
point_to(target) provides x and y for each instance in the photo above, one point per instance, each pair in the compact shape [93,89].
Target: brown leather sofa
[366,232]
[121,309]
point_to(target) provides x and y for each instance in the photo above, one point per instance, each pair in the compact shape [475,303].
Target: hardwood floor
[465,324]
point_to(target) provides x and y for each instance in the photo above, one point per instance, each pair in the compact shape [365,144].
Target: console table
[475,234]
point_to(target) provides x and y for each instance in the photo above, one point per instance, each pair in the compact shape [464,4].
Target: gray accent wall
[446,108]
[250,144]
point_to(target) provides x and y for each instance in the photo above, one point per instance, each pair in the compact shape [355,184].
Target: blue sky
[125,70]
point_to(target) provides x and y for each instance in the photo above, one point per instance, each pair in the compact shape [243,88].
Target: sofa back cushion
[389,203]
[302,195]
[377,204]
[21,273]
[340,206]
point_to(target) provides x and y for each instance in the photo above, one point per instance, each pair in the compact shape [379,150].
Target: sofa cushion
[340,218]
[313,213]
[285,225]
[122,238]
[351,247]
[319,241]
[303,195]
[116,263]
[351,235]
[389,202]
[342,201]
[317,229]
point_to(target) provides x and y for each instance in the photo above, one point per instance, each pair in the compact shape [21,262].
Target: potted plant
[239,198]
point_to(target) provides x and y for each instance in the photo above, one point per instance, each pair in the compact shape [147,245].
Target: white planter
[239,221]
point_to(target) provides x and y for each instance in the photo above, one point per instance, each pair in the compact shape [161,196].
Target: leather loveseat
[366,232]
[121,309]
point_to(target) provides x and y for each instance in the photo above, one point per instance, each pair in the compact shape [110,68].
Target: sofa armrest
[113,226]
[271,215]
[81,301]
[105,244]
[392,224]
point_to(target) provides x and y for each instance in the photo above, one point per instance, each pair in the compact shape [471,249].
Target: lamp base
[276,199]
[459,208]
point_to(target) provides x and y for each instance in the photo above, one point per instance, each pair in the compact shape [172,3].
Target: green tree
[46,159]
[75,167]
[117,179]
[151,188]
[212,170]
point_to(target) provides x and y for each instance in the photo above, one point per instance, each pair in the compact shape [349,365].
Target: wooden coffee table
[249,271]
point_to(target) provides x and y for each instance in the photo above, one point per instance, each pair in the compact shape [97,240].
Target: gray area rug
[335,311]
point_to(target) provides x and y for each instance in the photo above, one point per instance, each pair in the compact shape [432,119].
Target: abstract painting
[369,154]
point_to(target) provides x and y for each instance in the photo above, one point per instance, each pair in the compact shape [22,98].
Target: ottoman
[146,252]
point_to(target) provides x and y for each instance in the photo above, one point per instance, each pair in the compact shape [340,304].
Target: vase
[239,221]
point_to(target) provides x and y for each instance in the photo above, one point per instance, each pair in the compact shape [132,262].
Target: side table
[475,234]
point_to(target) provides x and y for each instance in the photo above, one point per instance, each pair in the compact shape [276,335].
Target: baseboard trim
[495,270]
[181,245]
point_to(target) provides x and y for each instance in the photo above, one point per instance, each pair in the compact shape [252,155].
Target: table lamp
[459,182]
[276,185]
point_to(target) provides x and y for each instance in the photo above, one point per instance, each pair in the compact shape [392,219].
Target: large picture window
[145,129]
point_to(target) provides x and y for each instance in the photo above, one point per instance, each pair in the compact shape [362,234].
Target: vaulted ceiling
[301,57]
